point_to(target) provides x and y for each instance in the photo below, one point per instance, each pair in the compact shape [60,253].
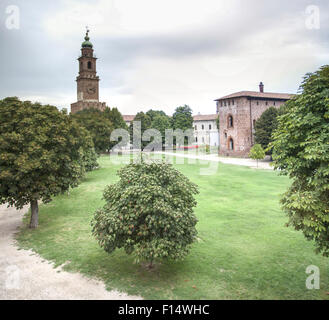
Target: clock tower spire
[87,80]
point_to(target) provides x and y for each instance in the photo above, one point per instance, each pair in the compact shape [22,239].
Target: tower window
[230,121]
[231,144]
[89,64]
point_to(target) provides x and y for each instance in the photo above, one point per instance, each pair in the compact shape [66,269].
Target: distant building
[87,80]
[128,118]
[238,113]
[205,130]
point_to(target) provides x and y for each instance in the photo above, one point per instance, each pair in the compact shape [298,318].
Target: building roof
[206,117]
[129,118]
[87,43]
[257,94]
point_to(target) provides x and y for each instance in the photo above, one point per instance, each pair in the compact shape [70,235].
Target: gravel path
[24,275]
[213,157]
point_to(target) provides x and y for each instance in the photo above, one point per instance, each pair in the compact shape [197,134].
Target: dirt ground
[24,275]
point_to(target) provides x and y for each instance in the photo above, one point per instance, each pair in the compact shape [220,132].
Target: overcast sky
[161,54]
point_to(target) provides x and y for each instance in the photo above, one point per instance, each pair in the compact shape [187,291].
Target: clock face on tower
[91,89]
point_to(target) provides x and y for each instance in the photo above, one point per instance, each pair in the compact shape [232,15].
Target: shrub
[149,212]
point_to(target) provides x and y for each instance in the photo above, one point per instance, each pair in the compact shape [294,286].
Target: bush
[149,212]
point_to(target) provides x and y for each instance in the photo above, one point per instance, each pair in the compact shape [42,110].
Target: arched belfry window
[230,121]
[89,64]
[231,144]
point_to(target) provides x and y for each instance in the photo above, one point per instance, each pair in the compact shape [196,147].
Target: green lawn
[245,251]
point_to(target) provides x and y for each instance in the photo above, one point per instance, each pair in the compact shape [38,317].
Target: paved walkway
[24,275]
[235,161]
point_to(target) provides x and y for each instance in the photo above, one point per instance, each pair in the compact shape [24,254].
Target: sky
[160,54]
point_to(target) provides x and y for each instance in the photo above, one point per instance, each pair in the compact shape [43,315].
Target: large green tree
[116,118]
[148,212]
[301,151]
[154,113]
[182,118]
[136,132]
[161,123]
[264,128]
[98,125]
[41,154]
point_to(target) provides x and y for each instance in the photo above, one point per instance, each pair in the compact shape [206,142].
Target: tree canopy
[264,128]
[182,118]
[257,153]
[98,125]
[301,151]
[148,212]
[42,153]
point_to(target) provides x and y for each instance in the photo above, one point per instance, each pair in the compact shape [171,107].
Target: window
[254,123]
[231,144]
[225,134]
[266,103]
[196,128]
[196,139]
[229,103]
[274,103]
[210,127]
[257,103]
[89,64]
[230,121]
[233,102]
[202,127]
[225,103]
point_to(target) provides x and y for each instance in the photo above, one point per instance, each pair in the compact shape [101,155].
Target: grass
[244,251]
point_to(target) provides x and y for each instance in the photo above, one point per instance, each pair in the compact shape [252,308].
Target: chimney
[261,87]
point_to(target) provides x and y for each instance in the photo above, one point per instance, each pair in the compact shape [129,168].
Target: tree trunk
[34,214]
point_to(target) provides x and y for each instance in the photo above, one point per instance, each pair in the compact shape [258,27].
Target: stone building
[87,80]
[205,130]
[238,113]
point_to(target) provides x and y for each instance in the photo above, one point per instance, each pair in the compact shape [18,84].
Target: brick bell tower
[87,80]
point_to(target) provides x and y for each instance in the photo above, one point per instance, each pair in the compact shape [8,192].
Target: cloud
[161,53]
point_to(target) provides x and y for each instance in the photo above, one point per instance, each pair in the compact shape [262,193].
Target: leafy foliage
[145,121]
[265,126]
[148,212]
[116,118]
[257,153]
[161,123]
[182,118]
[89,156]
[301,151]
[41,152]
[99,127]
